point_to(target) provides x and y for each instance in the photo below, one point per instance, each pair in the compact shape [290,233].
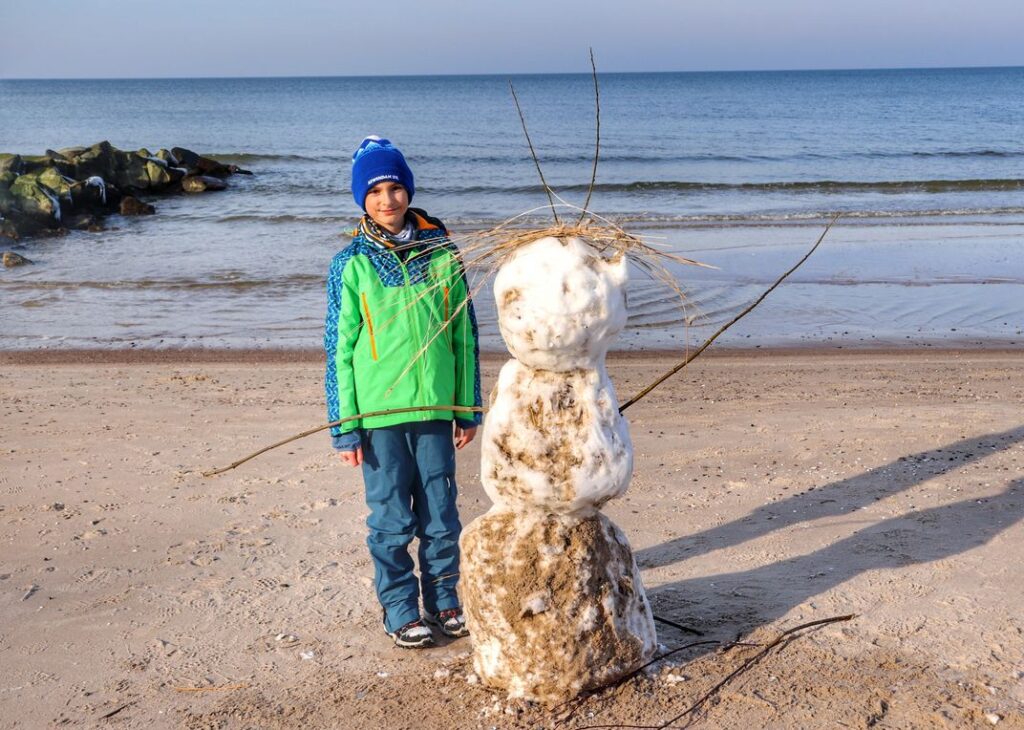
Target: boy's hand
[463,435]
[352,458]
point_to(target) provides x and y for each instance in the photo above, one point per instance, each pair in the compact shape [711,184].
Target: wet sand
[771,488]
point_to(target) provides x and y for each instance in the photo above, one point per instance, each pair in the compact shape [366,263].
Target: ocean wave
[179,284]
[244,157]
[585,156]
[739,219]
[797,186]
[285,218]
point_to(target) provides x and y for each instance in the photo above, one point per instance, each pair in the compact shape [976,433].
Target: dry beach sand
[771,488]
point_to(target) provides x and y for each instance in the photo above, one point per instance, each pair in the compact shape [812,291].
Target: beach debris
[993,718]
[287,639]
[30,592]
[552,593]
[166,647]
[308,654]
[116,710]
[73,188]
[134,206]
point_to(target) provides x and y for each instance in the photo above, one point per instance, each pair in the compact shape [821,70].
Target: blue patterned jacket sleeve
[466,345]
[341,330]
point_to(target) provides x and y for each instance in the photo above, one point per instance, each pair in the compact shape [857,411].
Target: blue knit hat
[375,161]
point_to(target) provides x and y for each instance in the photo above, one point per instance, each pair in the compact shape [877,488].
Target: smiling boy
[400,333]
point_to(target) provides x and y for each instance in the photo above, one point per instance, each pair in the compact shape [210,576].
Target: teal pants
[409,473]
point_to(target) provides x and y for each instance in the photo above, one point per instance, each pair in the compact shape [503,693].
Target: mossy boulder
[168,157]
[100,159]
[10,163]
[12,259]
[35,200]
[56,181]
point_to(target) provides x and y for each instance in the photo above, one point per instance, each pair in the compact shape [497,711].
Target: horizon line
[506,74]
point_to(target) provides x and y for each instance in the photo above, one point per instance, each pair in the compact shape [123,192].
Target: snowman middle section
[554,441]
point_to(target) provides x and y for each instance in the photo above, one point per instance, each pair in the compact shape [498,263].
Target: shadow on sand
[746,599]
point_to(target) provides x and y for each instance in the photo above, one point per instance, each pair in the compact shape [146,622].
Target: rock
[8,229]
[132,172]
[83,222]
[201,183]
[57,182]
[8,202]
[168,157]
[159,175]
[185,158]
[133,206]
[12,259]
[207,166]
[35,200]
[100,160]
[16,225]
[10,163]
[35,163]
[76,186]
[554,604]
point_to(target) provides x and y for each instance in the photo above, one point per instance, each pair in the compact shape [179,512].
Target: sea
[738,170]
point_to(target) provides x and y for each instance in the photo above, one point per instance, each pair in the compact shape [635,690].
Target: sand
[770,489]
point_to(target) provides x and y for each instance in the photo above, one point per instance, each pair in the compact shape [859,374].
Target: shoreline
[202,355]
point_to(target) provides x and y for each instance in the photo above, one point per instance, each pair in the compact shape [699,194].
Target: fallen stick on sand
[732,675]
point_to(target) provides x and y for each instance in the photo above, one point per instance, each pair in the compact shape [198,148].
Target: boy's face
[387,203]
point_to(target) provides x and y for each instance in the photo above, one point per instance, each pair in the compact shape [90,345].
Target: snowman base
[554,603]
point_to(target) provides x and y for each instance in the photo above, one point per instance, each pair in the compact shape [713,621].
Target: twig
[522,120]
[733,674]
[707,343]
[578,701]
[221,688]
[296,437]
[597,138]
[116,710]
[673,624]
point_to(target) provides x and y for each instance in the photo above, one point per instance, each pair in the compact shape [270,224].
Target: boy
[401,332]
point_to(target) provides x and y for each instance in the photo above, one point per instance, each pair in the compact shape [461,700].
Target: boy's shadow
[762,594]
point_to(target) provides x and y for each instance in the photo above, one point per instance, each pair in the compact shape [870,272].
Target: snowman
[552,593]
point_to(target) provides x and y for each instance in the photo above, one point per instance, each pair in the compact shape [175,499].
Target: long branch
[597,139]
[296,437]
[707,343]
[533,153]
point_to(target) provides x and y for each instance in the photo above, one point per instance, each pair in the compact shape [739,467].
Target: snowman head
[561,303]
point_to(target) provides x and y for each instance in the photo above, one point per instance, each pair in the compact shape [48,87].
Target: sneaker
[414,635]
[451,622]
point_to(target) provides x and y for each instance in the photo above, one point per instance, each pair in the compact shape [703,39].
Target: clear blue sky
[146,38]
